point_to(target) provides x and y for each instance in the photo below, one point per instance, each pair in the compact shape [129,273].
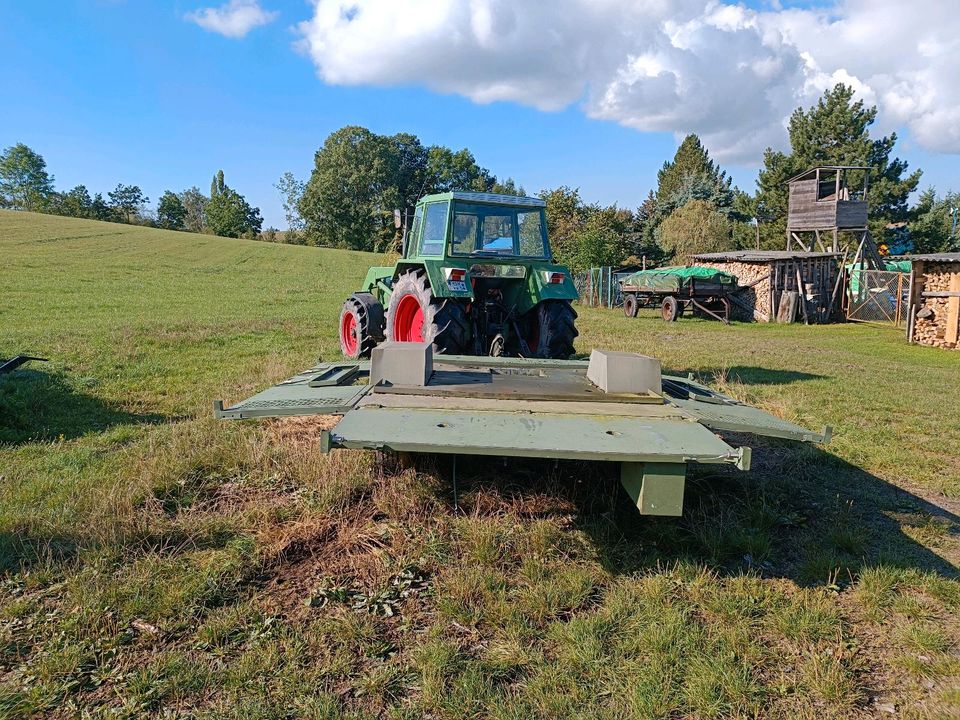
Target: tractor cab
[480,225]
[476,277]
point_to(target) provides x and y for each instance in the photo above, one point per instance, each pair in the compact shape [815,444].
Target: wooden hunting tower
[827,201]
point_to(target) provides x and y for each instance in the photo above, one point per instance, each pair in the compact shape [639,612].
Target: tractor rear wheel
[415,315]
[551,329]
[361,325]
[669,308]
[630,305]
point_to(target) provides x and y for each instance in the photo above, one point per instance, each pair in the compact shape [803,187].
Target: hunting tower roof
[808,174]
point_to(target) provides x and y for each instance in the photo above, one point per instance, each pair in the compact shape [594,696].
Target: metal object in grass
[8,366]
[515,407]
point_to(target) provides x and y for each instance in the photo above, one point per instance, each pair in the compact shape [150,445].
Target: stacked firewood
[930,322]
[756,296]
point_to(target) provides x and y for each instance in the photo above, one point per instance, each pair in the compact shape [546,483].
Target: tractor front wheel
[361,325]
[415,315]
[551,330]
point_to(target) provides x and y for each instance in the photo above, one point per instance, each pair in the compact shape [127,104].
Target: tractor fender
[435,276]
[376,283]
[540,288]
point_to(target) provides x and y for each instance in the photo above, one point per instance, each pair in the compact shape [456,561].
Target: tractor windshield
[493,231]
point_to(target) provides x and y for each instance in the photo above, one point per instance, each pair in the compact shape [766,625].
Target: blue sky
[134,92]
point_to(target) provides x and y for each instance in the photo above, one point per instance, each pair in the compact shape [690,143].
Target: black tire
[445,321]
[367,325]
[669,308]
[552,324]
[630,305]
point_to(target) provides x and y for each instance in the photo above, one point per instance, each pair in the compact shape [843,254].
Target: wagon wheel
[630,305]
[669,308]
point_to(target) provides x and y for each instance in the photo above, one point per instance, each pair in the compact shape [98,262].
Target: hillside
[158,563]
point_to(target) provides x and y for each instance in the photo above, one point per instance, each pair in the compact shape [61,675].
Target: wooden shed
[770,278]
[933,307]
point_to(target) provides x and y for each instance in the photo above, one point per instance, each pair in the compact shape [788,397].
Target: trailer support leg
[656,488]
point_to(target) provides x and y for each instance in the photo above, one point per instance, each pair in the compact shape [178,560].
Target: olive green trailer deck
[517,407]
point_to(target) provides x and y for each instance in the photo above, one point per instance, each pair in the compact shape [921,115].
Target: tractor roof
[488,198]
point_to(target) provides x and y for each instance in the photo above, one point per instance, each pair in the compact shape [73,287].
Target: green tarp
[672,279]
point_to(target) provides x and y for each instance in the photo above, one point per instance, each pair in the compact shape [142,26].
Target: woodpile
[936,318]
[765,277]
[752,301]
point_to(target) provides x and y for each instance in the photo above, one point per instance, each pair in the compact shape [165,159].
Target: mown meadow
[157,563]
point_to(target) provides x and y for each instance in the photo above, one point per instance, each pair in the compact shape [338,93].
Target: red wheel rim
[408,321]
[348,334]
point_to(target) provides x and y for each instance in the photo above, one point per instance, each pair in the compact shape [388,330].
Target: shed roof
[950,257]
[762,255]
[806,174]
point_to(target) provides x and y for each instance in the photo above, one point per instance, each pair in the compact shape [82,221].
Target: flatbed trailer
[675,289]
[516,407]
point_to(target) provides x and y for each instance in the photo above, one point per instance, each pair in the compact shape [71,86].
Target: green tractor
[476,277]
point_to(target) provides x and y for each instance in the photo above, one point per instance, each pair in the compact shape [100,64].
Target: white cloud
[233,20]
[727,72]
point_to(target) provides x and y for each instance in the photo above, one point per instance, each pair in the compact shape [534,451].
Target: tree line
[359,178]
[25,184]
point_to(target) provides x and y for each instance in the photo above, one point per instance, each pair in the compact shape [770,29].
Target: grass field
[156,563]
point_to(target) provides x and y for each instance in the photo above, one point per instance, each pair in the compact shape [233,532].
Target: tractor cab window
[434,229]
[497,233]
[484,230]
[531,234]
[465,233]
[414,235]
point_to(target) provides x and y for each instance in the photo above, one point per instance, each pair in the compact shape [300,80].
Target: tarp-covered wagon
[673,289]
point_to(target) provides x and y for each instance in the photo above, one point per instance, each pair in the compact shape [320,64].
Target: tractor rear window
[492,231]
[498,233]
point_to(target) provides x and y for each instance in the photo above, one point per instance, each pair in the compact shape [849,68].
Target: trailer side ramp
[325,389]
[721,412]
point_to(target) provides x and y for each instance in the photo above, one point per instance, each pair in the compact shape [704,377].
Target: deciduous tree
[73,203]
[228,212]
[343,202]
[195,210]
[170,211]
[291,190]
[25,183]
[128,202]
[448,170]
[695,228]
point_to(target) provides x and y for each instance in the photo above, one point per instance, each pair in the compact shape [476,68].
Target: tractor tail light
[554,278]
